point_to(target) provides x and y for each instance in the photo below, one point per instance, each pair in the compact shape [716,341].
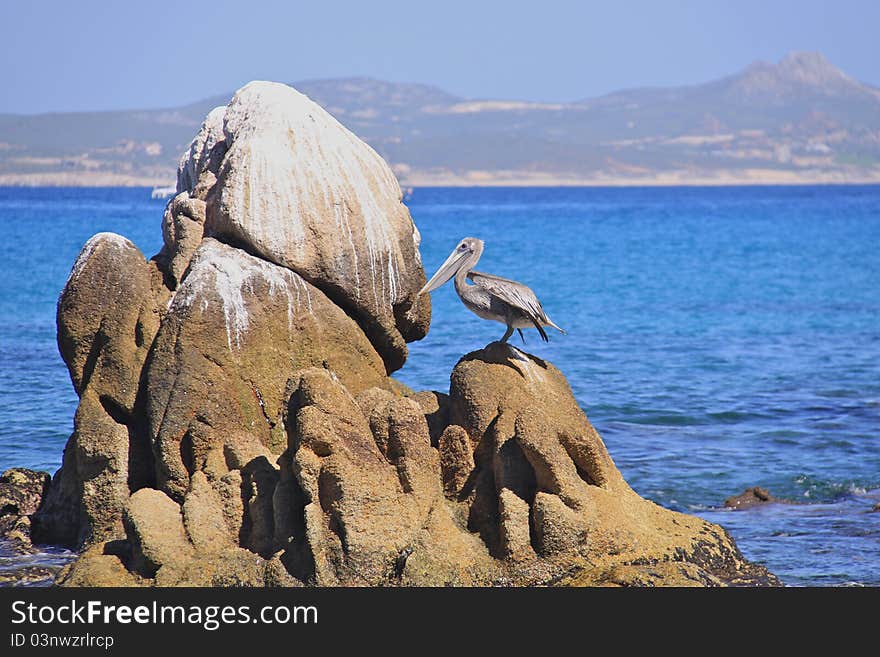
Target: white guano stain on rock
[220,273]
[112,240]
[303,165]
[531,371]
[194,158]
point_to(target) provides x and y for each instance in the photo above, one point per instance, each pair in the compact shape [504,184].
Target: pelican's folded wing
[515,294]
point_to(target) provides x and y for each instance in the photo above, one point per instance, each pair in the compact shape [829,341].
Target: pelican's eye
[463,247]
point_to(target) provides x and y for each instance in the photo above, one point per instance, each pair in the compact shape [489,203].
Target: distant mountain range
[801,120]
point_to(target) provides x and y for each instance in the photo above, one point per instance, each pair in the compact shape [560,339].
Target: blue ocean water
[718,338]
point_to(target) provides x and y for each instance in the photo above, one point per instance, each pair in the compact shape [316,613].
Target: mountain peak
[810,68]
[796,73]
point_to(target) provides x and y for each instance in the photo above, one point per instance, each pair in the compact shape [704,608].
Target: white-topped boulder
[297,188]
[204,154]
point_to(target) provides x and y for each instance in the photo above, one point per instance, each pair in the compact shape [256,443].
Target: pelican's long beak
[447,270]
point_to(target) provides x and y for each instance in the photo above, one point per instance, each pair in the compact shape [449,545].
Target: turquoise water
[718,338]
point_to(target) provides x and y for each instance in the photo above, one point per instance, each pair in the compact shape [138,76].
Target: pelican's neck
[466,266]
[461,279]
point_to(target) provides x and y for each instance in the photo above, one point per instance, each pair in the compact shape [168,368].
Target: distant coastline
[800,121]
[76,179]
[740,177]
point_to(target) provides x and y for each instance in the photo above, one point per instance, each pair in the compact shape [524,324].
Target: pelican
[491,297]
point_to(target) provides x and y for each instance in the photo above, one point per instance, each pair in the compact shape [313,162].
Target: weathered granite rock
[749,497]
[104,564]
[260,477]
[237,329]
[199,164]
[92,488]
[99,565]
[154,526]
[21,493]
[108,314]
[200,388]
[534,446]
[233,567]
[669,573]
[357,498]
[183,226]
[298,189]
[456,460]
[373,511]
[204,519]
[436,407]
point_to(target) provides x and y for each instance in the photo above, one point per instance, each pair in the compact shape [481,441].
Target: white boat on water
[163,192]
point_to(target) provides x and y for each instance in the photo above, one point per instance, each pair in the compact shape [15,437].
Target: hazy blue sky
[91,54]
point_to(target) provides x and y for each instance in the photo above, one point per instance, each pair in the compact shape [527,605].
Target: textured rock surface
[300,190]
[238,328]
[98,566]
[21,493]
[204,518]
[372,509]
[750,497]
[519,490]
[154,526]
[197,171]
[534,446]
[108,314]
[183,226]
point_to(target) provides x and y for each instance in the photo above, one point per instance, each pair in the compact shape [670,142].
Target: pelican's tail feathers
[561,330]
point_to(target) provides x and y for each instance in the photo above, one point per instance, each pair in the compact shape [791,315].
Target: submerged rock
[749,497]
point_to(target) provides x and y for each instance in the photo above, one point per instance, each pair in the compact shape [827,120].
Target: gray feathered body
[502,300]
[490,297]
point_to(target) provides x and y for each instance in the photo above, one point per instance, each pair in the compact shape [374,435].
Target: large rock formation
[237,424]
